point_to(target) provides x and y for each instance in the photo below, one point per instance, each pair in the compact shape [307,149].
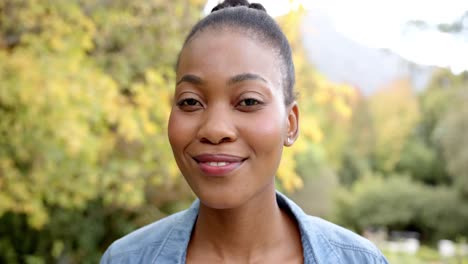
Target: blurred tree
[380,128]
[80,136]
[375,201]
[325,118]
[451,128]
[395,133]
[422,161]
[398,203]
[136,35]
[54,107]
[394,111]
[356,153]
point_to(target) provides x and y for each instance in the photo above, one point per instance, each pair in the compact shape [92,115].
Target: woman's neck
[245,233]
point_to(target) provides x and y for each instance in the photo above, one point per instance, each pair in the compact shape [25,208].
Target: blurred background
[85,89]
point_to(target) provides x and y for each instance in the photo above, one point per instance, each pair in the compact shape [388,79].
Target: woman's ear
[292,124]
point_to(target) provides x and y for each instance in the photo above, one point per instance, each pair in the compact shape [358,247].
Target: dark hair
[257,23]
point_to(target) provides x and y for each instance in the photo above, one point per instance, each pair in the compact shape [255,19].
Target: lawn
[425,255]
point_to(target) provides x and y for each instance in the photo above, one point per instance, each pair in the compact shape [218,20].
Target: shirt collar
[174,247]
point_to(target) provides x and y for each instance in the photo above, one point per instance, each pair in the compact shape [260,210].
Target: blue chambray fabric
[166,240]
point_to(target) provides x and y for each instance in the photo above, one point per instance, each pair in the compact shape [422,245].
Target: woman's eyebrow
[190,79]
[246,77]
[193,79]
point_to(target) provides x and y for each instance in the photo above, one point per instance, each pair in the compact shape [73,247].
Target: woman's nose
[217,126]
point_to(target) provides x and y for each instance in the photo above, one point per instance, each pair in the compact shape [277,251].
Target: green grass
[425,255]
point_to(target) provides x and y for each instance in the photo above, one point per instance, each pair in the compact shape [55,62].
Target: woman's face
[228,123]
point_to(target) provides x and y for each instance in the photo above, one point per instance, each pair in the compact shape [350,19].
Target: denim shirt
[166,240]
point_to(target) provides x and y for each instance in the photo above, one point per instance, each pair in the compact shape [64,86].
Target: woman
[234,110]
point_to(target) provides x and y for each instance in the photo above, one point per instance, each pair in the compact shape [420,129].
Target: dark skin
[248,235]
[229,102]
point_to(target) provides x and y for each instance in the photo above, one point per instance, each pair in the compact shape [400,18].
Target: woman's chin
[221,201]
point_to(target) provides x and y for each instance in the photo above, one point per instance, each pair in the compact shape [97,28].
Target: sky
[383,24]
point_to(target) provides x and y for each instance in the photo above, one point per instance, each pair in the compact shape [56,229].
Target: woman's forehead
[229,50]
[217,59]
[255,34]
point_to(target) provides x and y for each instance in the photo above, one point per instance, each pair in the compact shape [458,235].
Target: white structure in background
[409,246]
[447,248]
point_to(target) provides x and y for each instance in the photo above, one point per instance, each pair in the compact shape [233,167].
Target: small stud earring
[289,141]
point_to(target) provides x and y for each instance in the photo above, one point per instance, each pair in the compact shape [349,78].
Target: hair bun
[233,3]
[236,2]
[257,6]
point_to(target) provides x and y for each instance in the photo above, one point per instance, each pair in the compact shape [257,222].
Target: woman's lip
[220,169]
[217,158]
[218,164]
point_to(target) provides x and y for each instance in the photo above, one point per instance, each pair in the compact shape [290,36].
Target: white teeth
[217,164]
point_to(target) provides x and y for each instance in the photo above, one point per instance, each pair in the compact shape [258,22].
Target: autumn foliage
[85,93]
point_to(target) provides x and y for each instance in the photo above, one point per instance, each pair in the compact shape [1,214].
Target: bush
[398,203]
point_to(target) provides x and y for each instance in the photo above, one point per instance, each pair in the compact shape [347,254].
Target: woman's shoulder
[326,242]
[150,234]
[341,242]
[147,242]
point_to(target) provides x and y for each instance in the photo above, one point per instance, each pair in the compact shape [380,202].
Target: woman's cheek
[171,129]
[179,129]
[265,132]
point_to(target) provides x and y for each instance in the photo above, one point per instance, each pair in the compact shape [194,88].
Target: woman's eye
[189,103]
[249,102]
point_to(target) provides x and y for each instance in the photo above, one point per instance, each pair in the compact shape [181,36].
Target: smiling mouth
[218,165]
